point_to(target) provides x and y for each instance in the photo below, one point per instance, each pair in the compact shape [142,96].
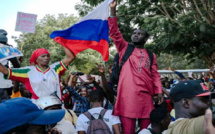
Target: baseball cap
[18,111]
[3,36]
[188,89]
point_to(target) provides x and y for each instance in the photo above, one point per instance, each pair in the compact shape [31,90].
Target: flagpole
[22,43]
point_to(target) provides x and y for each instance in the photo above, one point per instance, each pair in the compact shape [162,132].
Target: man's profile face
[138,36]
[199,106]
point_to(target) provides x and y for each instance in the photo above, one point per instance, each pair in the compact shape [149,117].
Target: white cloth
[44,84]
[100,12]
[146,131]
[66,127]
[83,122]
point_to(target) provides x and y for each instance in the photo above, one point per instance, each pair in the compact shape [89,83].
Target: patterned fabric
[37,81]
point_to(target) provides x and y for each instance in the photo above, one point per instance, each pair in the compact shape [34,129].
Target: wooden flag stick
[22,43]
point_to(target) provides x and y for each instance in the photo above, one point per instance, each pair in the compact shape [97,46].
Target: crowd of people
[35,100]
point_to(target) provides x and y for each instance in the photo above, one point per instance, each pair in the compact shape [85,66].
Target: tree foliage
[183,27]
[178,62]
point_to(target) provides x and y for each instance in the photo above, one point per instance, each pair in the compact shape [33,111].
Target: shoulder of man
[191,126]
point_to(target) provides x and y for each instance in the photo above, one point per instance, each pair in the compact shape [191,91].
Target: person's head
[167,84]
[96,96]
[49,102]
[89,90]
[40,57]
[160,117]
[3,36]
[166,78]
[85,91]
[139,37]
[20,111]
[191,98]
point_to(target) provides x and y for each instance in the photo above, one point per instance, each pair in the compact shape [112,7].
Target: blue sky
[9,9]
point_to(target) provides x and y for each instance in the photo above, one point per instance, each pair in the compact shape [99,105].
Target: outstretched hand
[72,79]
[113,4]
[90,78]
[101,68]
[110,69]
[208,126]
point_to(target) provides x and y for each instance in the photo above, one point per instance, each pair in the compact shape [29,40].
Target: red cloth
[36,54]
[67,99]
[137,82]
[169,106]
[129,124]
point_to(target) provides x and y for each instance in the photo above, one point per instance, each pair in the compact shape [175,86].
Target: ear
[185,103]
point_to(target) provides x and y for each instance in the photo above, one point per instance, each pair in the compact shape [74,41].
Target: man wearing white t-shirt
[96,99]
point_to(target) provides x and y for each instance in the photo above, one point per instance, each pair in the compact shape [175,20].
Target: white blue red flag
[90,32]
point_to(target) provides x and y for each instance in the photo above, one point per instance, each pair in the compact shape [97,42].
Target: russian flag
[90,32]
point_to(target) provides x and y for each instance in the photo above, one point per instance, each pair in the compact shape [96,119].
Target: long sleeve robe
[137,82]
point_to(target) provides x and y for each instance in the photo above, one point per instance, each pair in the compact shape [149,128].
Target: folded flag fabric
[7,52]
[89,32]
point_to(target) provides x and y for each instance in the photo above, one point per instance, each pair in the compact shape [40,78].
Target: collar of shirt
[42,71]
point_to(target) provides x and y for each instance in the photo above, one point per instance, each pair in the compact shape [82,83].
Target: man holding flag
[139,80]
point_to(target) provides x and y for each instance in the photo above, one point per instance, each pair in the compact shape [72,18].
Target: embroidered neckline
[42,71]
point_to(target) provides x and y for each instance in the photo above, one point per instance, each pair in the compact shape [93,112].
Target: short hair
[159,113]
[146,34]
[96,96]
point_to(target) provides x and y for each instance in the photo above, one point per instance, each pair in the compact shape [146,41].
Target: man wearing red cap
[40,78]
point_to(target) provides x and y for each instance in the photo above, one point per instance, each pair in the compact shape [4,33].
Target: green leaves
[202,28]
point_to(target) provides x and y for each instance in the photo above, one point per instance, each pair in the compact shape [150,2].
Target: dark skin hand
[72,80]
[113,5]
[110,69]
[108,92]
[158,98]
[90,78]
